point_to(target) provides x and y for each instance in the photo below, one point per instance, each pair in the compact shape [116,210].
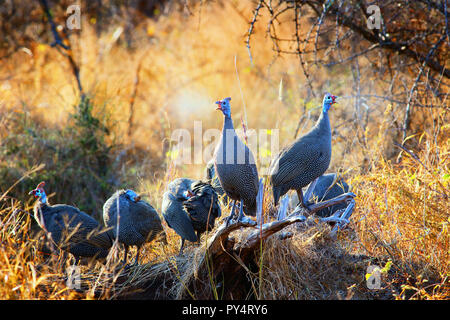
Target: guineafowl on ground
[133,220]
[304,160]
[190,207]
[70,229]
[235,166]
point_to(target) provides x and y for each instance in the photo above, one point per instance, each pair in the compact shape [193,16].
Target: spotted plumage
[305,159]
[132,220]
[190,207]
[235,165]
[211,177]
[329,186]
[71,229]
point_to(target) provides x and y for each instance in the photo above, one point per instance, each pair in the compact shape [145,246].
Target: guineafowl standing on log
[304,160]
[235,166]
[131,219]
[70,229]
[329,186]
[190,207]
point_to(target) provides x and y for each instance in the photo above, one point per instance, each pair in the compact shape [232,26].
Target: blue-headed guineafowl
[235,166]
[190,207]
[133,220]
[304,160]
[70,229]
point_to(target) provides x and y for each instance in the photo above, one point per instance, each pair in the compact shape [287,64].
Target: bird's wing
[77,226]
[177,218]
[206,199]
[145,217]
[293,161]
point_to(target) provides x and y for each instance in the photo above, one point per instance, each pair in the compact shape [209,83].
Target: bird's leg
[349,210]
[137,256]
[124,262]
[241,211]
[301,199]
[310,190]
[243,218]
[283,208]
[230,217]
[182,247]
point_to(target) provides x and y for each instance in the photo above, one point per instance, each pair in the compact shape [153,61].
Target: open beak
[334,99]
[220,105]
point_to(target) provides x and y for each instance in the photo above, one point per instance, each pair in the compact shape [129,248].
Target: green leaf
[387,267]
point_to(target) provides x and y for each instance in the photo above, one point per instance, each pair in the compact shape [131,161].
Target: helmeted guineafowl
[304,160]
[235,166]
[70,229]
[133,220]
[326,190]
[190,207]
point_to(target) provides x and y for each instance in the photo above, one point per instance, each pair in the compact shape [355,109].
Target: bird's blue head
[224,106]
[39,192]
[133,196]
[328,101]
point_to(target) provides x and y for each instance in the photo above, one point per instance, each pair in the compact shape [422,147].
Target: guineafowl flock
[190,207]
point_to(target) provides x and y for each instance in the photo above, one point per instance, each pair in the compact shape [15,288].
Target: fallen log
[225,264]
[227,261]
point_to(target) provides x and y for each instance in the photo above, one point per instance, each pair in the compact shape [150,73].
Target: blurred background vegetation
[147,68]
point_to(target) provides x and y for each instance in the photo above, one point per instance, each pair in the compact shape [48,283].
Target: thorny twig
[133,96]
[64,49]
[250,30]
[297,12]
[406,120]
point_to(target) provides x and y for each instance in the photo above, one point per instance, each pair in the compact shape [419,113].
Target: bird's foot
[231,216]
[243,218]
[246,220]
[229,219]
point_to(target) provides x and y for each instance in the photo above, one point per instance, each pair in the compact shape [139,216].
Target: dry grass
[401,213]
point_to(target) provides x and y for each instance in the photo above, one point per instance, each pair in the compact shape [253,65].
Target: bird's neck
[42,205]
[40,212]
[324,122]
[227,123]
[325,107]
[43,199]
